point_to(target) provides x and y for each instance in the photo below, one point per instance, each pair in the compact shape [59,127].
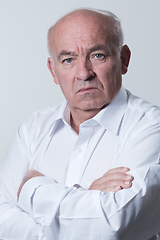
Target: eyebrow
[97,47]
[93,49]
[66,53]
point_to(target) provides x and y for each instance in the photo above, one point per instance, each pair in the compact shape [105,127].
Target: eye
[68,60]
[99,55]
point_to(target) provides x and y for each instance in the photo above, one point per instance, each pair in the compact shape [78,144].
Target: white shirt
[126,133]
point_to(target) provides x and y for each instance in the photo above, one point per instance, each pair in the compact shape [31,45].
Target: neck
[78,117]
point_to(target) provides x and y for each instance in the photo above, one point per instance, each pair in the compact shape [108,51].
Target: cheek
[105,75]
[111,72]
[110,78]
[64,75]
[66,86]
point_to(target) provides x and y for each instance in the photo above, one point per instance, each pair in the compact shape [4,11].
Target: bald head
[108,24]
[87,60]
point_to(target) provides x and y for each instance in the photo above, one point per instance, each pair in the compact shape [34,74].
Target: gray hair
[115,30]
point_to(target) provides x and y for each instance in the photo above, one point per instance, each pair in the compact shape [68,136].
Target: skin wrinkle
[73,40]
[89,61]
[93,49]
[116,34]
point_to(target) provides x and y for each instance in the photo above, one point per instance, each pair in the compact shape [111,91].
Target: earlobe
[125,58]
[51,68]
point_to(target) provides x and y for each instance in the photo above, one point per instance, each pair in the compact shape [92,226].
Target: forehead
[79,30]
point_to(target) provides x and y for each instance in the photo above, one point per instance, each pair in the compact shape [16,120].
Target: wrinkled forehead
[81,27]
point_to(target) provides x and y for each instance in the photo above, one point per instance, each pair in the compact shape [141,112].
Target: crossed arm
[113,215]
[99,213]
[112,181]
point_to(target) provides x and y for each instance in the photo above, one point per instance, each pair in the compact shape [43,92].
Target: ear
[51,68]
[125,57]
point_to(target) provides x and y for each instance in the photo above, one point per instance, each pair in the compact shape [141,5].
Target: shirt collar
[62,112]
[110,117]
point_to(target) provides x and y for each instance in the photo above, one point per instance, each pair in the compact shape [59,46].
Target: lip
[88,89]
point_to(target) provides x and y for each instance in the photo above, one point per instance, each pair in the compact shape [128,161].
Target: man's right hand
[31,174]
[113,180]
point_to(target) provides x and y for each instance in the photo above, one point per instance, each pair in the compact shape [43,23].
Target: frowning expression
[87,69]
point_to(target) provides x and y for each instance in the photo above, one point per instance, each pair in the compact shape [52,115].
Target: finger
[112,189]
[116,186]
[123,183]
[116,177]
[113,180]
[118,169]
[126,184]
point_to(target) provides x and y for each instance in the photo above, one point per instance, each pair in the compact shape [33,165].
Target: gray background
[26,84]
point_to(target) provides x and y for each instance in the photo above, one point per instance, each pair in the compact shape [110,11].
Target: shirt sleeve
[74,213]
[15,224]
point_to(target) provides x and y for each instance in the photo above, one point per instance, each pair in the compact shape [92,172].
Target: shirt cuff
[28,190]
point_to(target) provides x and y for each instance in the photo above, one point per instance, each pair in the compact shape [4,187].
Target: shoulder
[141,127]
[142,108]
[43,118]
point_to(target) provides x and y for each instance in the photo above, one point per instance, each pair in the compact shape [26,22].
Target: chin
[92,108]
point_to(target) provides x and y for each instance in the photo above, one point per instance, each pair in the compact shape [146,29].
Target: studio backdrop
[27,85]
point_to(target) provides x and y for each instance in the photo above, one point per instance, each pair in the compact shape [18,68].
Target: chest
[78,159]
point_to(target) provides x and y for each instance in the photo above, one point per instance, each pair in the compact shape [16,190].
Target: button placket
[79,150]
[77,157]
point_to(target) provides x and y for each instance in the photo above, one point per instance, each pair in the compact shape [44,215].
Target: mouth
[86,90]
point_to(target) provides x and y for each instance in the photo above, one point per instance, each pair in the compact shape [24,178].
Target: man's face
[86,69]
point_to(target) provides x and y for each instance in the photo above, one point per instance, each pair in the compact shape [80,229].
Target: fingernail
[128,176]
[125,169]
[118,187]
[127,182]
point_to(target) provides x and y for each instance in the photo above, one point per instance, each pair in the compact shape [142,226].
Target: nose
[84,71]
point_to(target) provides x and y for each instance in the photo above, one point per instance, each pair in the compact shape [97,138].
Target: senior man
[76,157]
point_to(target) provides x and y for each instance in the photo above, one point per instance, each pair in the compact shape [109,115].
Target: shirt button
[79,150]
